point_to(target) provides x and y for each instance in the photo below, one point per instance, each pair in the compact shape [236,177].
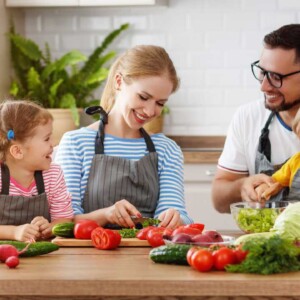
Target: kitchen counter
[128,273]
[200,149]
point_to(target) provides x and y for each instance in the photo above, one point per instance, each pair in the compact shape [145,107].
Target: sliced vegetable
[105,239]
[128,232]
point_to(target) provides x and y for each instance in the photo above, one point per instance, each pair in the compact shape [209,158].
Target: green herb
[128,232]
[150,222]
[268,256]
[257,220]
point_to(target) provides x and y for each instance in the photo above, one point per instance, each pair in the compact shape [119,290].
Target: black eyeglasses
[274,79]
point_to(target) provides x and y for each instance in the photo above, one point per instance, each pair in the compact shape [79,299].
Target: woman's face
[141,100]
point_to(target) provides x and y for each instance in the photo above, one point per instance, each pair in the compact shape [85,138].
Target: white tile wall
[212,43]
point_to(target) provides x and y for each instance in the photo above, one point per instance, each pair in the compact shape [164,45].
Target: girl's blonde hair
[20,117]
[137,62]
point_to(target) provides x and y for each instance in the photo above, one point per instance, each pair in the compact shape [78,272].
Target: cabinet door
[198,180]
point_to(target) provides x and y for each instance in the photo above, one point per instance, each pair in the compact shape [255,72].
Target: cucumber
[170,254]
[38,248]
[64,229]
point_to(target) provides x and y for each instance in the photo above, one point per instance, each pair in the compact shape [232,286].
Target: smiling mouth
[140,118]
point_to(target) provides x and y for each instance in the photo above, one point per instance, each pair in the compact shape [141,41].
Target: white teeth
[140,117]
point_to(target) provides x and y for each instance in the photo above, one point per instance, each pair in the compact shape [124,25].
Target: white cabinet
[57,3]
[197,183]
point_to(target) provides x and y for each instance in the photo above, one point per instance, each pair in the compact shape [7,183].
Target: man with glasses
[260,138]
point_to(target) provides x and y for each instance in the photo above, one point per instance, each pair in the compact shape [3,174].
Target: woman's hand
[170,218]
[26,233]
[44,226]
[120,213]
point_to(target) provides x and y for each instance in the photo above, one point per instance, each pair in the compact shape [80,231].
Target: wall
[5,15]
[212,43]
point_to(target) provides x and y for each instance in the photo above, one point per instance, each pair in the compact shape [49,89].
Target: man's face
[283,62]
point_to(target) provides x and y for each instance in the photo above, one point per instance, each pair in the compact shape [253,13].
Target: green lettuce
[287,224]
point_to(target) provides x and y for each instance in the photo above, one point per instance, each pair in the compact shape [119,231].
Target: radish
[12,261]
[7,251]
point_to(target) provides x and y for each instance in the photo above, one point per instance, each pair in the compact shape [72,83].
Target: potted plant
[62,85]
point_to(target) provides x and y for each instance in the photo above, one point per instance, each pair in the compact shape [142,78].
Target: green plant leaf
[53,92]
[98,76]
[70,58]
[33,78]
[14,89]
[68,101]
[26,46]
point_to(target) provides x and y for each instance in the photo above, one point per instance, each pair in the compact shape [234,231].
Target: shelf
[83,3]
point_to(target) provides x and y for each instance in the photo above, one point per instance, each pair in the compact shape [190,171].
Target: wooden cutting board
[125,242]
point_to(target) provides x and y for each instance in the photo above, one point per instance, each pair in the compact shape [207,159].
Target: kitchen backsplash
[212,43]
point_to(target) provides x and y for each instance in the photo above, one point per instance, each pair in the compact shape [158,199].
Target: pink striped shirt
[59,198]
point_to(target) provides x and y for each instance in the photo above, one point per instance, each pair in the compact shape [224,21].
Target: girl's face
[142,100]
[37,150]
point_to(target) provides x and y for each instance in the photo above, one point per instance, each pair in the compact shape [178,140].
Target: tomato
[84,228]
[142,234]
[105,239]
[190,253]
[155,236]
[239,254]
[195,225]
[223,257]
[202,260]
[186,230]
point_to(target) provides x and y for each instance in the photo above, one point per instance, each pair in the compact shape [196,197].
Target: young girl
[33,193]
[114,168]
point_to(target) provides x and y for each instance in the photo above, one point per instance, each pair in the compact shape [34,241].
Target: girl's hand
[260,191]
[26,233]
[120,213]
[271,191]
[45,228]
[170,218]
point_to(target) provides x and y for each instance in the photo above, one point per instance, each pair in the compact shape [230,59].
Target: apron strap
[39,180]
[148,140]
[264,145]
[5,178]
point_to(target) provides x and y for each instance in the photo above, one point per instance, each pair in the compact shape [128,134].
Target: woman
[113,168]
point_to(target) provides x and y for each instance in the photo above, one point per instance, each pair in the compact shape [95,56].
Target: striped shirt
[76,151]
[59,199]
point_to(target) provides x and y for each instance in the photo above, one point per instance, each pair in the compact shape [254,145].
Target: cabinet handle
[209,173]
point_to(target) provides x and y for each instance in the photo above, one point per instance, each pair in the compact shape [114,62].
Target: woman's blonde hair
[20,118]
[137,62]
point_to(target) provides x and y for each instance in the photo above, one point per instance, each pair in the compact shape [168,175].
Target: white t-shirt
[241,144]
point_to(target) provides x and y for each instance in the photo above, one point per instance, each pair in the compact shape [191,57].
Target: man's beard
[283,106]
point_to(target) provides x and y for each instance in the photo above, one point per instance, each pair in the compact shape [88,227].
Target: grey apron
[19,210]
[263,159]
[113,178]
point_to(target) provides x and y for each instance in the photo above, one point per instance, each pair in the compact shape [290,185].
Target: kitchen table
[128,273]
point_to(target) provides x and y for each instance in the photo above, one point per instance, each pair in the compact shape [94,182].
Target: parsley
[128,232]
[268,256]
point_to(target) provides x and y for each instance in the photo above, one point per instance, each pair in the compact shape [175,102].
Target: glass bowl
[253,217]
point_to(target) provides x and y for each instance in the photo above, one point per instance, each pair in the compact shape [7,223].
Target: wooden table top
[128,273]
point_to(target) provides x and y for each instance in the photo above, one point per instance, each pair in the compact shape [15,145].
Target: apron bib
[263,158]
[19,210]
[113,178]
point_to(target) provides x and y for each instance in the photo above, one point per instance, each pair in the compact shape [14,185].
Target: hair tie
[10,134]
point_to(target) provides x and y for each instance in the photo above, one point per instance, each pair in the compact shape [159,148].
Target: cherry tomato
[142,234]
[105,239]
[195,225]
[202,260]
[223,257]
[186,230]
[239,254]
[155,236]
[84,228]
[190,253]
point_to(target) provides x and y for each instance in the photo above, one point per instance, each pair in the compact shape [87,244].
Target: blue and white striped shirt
[76,151]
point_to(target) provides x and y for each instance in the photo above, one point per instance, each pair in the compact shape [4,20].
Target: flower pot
[156,125]
[62,122]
